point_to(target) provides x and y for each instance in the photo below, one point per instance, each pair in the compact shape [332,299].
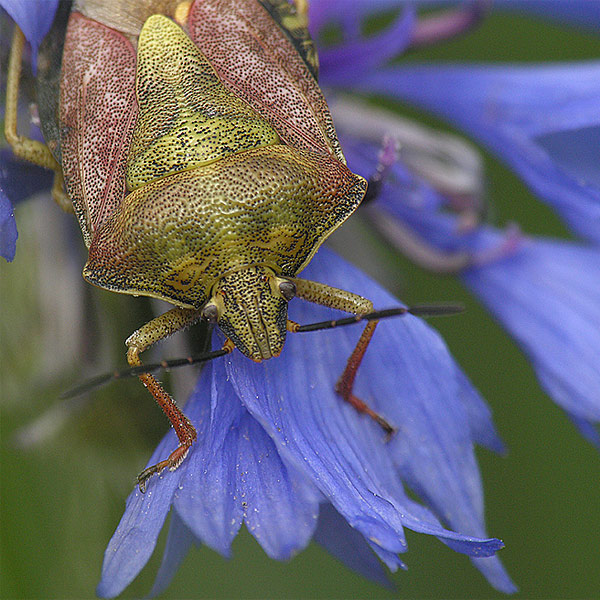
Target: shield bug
[202,164]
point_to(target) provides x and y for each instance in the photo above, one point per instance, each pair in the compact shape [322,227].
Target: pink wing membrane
[97,115]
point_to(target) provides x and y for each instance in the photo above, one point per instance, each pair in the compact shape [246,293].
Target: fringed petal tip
[273,455]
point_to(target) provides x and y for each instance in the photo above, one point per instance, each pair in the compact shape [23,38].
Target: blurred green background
[67,469]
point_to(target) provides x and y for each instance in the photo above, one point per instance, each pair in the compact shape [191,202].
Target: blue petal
[34,19]
[548,296]
[388,558]
[234,473]
[586,429]
[342,61]
[134,540]
[206,498]
[349,14]
[280,506]
[433,448]
[345,455]
[423,396]
[546,293]
[277,397]
[179,542]
[584,13]
[8,228]
[18,180]
[348,545]
[478,414]
[517,112]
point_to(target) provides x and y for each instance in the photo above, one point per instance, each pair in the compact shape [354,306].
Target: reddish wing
[252,57]
[255,60]
[97,114]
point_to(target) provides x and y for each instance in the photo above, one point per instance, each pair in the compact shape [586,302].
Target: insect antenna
[100,380]
[420,310]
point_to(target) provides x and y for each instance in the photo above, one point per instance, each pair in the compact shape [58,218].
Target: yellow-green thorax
[218,208]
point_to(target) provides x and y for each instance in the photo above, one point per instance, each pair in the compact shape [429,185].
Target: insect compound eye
[210,313]
[287,289]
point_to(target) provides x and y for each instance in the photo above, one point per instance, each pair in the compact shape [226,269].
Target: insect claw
[145,475]
[390,432]
[177,457]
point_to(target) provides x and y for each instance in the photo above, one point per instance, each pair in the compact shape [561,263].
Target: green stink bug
[202,164]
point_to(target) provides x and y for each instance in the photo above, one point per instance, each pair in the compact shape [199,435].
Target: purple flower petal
[280,506]
[179,542]
[135,538]
[404,192]
[18,180]
[234,473]
[583,13]
[206,497]
[8,228]
[313,434]
[342,61]
[588,430]
[542,120]
[34,18]
[343,453]
[478,414]
[433,447]
[348,545]
[546,293]
[548,296]
[324,12]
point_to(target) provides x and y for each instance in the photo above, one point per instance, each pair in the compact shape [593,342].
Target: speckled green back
[213,188]
[187,118]
[175,237]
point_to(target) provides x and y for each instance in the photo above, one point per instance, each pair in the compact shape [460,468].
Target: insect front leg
[342,300]
[147,335]
[33,151]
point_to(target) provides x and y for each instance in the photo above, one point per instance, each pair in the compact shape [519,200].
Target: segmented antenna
[421,310]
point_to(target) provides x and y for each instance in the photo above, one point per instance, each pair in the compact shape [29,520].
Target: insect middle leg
[33,151]
[147,335]
[342,300]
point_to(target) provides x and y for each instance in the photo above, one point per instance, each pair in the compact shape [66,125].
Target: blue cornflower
[542,120]
[275,444]
[278,450]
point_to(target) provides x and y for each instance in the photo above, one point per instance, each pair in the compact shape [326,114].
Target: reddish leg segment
[345,383]
[184,429]
[340,299]
[143,338]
